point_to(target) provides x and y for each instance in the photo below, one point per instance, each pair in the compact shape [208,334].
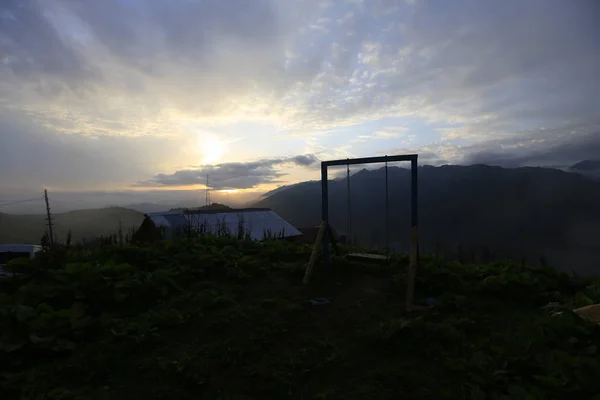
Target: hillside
[587,165]
[213,206]
[538,215]
[221,318]
[82,223]
[149,207]
[588,168]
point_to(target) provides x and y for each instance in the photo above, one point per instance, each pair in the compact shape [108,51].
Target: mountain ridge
[533,213]
[587,168]
[586,165]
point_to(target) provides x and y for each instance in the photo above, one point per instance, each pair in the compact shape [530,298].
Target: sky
[123,101]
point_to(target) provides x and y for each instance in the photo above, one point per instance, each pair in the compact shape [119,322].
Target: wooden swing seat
[368,257]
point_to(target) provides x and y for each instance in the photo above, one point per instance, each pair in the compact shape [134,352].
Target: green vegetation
[221,318]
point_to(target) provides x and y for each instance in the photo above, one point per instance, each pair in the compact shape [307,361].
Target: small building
[252,223]
[9,252]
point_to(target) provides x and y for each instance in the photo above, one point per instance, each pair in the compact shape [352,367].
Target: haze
[124,101]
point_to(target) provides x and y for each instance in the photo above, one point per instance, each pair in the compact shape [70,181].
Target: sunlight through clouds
[212,149]
[184,83]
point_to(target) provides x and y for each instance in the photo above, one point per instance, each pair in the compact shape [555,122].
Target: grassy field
[227,319]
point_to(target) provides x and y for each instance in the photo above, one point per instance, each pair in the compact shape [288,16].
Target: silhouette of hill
[473,213]
[286,187]
[150,207]
[588,168]
[279,189]
[213,206]
[86,224]
[587,165]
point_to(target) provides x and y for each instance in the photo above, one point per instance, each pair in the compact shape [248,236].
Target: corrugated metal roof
[160,221]
[17,248]
[176,220]
[255,221]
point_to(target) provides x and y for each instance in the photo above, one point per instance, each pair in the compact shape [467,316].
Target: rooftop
[257,222]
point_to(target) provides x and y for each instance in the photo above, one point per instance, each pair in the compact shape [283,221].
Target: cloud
[433,155]
[233,175]
[394,132]
[439,62]
[558,150]
[100,93]
[305,160]
[34,157]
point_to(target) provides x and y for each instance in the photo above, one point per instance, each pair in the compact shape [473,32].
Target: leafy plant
[201,312]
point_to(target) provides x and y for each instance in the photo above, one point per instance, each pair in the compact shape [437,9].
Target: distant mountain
[588,168]
[213,206]
[150,207]
[535,214]
[283,188]
[272,192]
[86,224]
[587,165]
[157,207]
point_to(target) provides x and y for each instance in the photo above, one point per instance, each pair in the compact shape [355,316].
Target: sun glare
[212,149]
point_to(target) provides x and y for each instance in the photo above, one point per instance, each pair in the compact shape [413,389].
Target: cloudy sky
[147,96]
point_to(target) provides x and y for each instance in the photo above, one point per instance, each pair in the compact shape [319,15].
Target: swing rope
[349,217]
[366,256]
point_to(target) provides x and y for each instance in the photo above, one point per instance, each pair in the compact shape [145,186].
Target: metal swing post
[349,209]
[387,210]
[414,234]
[325,214]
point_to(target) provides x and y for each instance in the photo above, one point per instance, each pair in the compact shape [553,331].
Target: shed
[10,252]
[255,223]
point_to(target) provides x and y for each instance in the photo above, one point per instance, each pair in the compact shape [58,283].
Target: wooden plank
[591,312]
[368,257]
[315,252]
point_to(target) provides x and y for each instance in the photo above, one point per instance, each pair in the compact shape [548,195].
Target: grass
[220,318]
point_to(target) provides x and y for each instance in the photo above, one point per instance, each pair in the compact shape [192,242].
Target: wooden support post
[412,269]
[333,240]
[325,212]
[414,237]
[315,252]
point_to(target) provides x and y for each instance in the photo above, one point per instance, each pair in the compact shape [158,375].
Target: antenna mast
[49,217]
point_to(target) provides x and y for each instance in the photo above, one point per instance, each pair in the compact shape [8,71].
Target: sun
[212,149]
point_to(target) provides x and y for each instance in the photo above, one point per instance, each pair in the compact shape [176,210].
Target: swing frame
[414,236]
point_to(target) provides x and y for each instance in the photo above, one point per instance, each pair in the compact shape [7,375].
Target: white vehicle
[10,252]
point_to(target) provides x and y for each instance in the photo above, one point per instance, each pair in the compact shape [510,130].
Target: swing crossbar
[369,160]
